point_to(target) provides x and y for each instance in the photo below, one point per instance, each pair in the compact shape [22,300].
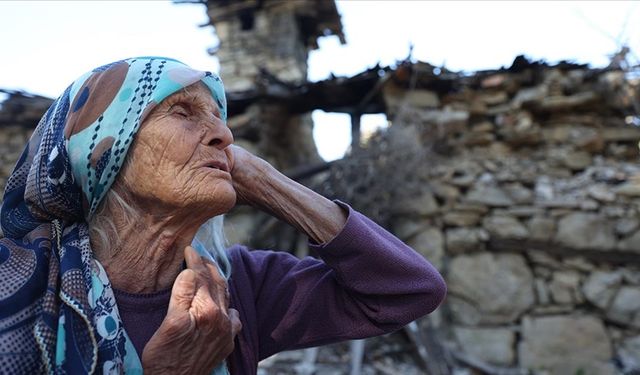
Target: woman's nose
[217,134]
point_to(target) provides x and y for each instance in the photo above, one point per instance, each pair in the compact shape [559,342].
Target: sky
[45,45]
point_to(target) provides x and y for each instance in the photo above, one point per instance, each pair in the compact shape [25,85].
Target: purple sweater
[370,283]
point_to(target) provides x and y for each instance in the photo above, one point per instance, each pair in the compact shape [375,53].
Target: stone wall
[272,43]
[13,138]
[523,188]
[19,115]
[274,37]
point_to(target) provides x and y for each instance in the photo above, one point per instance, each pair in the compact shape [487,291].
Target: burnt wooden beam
[22,109]
[343,95]
[428,348]
[304,171]
[361,93]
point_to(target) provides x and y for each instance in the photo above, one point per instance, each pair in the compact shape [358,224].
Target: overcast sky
[46,45]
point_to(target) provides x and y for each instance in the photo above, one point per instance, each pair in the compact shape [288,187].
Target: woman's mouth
[214,164]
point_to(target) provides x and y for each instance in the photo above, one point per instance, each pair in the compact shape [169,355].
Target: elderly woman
[114,261]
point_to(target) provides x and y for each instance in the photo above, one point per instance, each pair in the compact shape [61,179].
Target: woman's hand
[198,332]
[260,185]
[247,170]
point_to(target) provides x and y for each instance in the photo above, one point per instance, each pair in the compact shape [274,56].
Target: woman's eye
[180,110]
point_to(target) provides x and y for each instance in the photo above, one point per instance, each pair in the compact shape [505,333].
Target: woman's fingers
[231,156]
[211,300]
[183,291]
[208,275]
[207,313]
[199,330]
[247,168]
[217,283]
[199,265]
[193,259]
[179,319]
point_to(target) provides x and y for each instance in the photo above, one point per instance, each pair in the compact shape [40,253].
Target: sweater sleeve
[368,283]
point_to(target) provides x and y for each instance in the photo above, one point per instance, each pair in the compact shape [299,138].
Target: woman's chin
[220,201]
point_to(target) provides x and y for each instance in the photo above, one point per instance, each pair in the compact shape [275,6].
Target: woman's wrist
[259,184]
[316,216]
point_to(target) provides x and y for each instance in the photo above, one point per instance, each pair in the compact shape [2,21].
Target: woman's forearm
[374,282]
[316,216]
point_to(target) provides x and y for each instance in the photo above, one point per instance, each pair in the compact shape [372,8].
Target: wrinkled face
[179,159]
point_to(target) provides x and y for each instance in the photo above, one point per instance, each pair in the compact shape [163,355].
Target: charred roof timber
[22,109]
[362,93]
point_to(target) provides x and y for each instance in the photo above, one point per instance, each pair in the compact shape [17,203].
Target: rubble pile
[523,187]
[19,114]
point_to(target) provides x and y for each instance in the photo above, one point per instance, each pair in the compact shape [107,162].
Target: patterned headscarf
[59,312]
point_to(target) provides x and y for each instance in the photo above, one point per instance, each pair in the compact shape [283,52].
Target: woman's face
[180,159]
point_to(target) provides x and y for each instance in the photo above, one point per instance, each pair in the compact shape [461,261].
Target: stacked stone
[272,35]
[19,115]
[523,187]
[532,211]
[271,43]
[12,142]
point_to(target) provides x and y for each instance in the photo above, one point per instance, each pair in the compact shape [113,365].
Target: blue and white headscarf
[58,312]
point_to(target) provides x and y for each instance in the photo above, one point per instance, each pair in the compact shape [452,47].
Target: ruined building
[521,184]
[272,37]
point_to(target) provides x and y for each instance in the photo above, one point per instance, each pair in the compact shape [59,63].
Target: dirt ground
[390,354]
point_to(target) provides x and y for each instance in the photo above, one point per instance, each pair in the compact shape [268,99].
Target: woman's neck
[149,252]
